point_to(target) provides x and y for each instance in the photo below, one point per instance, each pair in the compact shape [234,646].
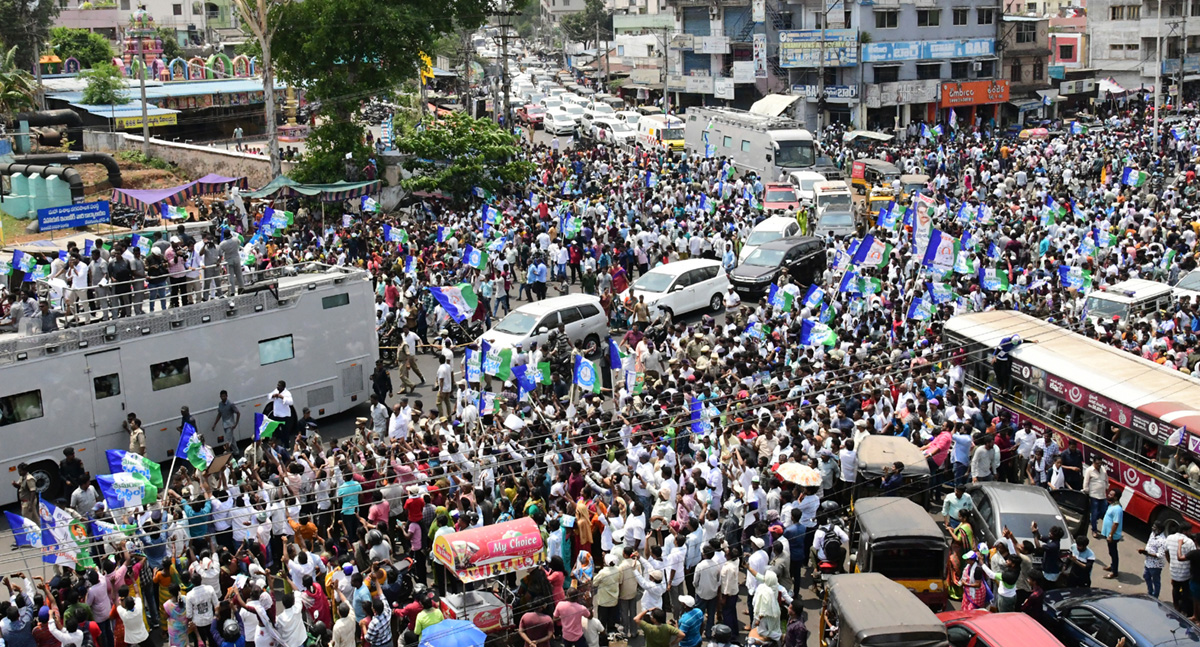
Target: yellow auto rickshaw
[899,540]
[870,173]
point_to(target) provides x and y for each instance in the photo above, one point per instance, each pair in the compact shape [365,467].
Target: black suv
[802,257]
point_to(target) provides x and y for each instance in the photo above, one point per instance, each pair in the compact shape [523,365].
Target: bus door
[108,393]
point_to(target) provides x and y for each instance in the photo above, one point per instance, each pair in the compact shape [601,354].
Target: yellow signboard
[125,123]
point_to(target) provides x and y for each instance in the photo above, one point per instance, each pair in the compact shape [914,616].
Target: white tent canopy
[773,105]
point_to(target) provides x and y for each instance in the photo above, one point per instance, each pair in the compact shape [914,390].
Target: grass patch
[136,157]
[11,227]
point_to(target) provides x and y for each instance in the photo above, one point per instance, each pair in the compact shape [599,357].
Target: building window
[817,18]
[960,16]
[1015,72]
[887,74]
[335,301]
[886,18]
[177,9]
[929,71]
[727,141]
[1133,12]
[985,16]
[1066,52]
[175,372]
[124,5]
[846,18]
[107,386]
[1031,7]
[20,407]
[1125,12]
[1026,33]
[929,17]
[1038,70]
[197,10]
[1116,13]
[745,145]
[958,69]
[987,69]
[1195,9]
[276,349]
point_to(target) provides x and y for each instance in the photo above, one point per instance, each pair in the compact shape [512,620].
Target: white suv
[682,286]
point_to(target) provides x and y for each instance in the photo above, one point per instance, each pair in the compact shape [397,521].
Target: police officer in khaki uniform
[27,492]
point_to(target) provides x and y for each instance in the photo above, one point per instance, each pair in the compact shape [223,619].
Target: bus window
[20,407]
[1093,425]
[175,372]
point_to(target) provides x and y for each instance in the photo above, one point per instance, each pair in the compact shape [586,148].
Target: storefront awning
[773,105]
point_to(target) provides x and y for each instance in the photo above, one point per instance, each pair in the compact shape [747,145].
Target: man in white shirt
[289,622]
[401,420]
[201,604]
[281,409]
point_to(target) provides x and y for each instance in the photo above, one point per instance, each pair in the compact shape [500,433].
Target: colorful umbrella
[802,475]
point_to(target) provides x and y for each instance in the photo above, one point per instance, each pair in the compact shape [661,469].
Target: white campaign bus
[769,146]
[74,387]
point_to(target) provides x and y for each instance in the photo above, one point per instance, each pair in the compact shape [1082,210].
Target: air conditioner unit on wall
[977,66]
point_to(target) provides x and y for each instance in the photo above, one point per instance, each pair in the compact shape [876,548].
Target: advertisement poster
[759,10]
[760,56]
[723,87]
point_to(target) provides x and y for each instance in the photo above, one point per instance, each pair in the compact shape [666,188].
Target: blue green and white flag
[815,333]
[586,376]
[458,301]
[476,258]
[192,449]
[120,460]
[780,298]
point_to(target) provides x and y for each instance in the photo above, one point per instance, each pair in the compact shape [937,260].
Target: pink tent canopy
[175,196]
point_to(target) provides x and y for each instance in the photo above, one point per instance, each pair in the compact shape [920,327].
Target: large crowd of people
[655,495]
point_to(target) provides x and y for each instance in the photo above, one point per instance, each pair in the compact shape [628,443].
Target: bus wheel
[46,474]
[1170,520]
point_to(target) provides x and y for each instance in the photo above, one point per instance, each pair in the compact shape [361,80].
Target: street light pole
[139,34]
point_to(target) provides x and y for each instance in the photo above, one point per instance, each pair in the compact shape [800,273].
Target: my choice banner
[73,215]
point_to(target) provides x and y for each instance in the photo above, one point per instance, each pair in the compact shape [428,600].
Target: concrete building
[1024,48]
[195,22]
[923,58]
[1123,37]
[554,10]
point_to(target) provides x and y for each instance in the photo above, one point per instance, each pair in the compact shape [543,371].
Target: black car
[828,168]
[1100,618]
[802,257]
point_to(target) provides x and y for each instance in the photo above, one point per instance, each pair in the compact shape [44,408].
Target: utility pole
[666,43]
[1158,41]
[504,13]
[140,33]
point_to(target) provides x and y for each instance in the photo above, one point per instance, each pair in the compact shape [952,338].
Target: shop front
[977,103]
[894,105]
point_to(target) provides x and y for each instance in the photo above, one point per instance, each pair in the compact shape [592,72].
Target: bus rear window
[20,407]
[274,350]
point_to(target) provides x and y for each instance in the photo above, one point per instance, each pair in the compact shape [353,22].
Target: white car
[767,231]
[611,130]
[682,286]
[580,314]
[575,111]
[558,123]
[550,103]
[805,181]
[602,109]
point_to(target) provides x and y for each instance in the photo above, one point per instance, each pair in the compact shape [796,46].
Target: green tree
[18,90]
[90,48]
[26,25]
[170,40]
[344,51]
[457,153]
[104,86]
[582,26]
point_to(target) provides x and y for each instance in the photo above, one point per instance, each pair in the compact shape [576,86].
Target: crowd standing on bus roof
[654,493]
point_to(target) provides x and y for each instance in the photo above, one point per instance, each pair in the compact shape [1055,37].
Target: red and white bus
[1112,402]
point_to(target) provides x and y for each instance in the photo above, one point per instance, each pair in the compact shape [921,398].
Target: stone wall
[195,161]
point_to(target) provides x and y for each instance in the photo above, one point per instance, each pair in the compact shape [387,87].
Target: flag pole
[171,472]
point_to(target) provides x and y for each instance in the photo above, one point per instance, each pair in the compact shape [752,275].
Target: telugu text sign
[918,50]
[73,215]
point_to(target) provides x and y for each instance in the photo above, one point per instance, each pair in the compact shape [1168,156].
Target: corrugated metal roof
[185,89]
[127,110]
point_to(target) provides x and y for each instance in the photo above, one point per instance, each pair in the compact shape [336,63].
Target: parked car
[558,122]
[802,257]
[1101,618]
[575,111]
[612,130]
[779,197]
[804,181]
[979,628]
[682,286]
[630,117]
[580,314]
[531,115]
[1014,506]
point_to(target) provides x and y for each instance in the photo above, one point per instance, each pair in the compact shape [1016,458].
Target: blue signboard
[72,215]
[922,50]
[802,48]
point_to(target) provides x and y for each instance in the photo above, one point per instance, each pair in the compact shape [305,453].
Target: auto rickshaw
[870,173]
[869,610]
[898,539]
[877,453]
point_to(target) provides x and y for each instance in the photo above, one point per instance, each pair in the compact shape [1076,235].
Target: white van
[1128,300]
[660,133]
[581,314]
[769,230]
[682,286]
[834,208]
[804,181]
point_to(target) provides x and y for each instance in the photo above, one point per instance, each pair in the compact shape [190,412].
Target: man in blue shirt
[963,443]
[690,622]
[1114,518]
[794,533]
[361,598]
[348,493]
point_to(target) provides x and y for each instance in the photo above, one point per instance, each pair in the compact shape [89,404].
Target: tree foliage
[170,42]
[104,86]
[325,157]
[90,48]
[18,89]
[457,153]
[25,23]
[582,26]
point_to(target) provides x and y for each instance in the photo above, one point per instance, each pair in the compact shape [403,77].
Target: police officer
[27,492]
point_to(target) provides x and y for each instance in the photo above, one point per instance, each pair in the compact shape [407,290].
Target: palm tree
[18,90]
